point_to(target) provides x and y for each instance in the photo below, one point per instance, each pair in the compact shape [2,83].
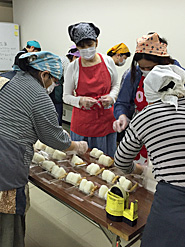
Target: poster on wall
[9,44]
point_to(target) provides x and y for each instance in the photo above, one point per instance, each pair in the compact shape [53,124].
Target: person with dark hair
[151,50]
[32,46]
[26,115]
[160,126]
[119,54]
[73,53]
[91,87]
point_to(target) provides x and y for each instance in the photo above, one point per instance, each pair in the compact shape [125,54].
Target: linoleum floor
[49,223]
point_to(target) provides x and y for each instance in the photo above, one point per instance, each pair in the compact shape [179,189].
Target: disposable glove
[106,101]
[120,124]
[87,102]
[80,147]
[149,181]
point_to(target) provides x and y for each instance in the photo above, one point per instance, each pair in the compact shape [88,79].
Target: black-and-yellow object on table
[117,206]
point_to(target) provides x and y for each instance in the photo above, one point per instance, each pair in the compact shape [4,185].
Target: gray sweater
[26,114]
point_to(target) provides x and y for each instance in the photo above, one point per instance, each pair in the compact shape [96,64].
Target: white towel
[161,76]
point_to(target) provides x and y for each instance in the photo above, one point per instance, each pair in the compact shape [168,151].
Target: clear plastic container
[96,201]
[46,177]
[36,169]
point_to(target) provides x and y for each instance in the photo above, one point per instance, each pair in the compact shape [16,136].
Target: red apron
[140,102]
[94,81]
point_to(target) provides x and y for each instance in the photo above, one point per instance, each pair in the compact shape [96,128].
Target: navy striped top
[162,129]
[27,114]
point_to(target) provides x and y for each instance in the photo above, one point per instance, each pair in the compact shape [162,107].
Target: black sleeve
[17,56]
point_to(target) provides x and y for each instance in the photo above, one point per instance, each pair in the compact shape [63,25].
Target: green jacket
[57,93]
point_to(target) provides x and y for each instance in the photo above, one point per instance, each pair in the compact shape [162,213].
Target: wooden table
[93,207]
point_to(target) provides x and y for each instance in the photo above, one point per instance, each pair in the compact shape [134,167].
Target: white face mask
[51,87]
[88,53]
[122,63]
[145,72]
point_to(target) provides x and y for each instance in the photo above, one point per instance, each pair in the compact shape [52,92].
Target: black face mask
[170,85]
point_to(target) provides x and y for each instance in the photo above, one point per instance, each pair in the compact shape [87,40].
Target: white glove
[87,102]
[120,124]
[139,168]
[81,147]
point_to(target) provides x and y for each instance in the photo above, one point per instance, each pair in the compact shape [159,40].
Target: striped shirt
[162,130]
[27,114]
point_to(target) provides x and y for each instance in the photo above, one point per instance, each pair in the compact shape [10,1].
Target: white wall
[119,21]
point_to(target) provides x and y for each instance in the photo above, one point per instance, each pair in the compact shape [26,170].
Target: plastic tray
[62,184]
[76,193]
[46,176]
[96,201]
[36,169]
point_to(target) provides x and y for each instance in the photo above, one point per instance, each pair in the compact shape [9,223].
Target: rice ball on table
[37,158]
[122,180]
[69,177]
[126,184]
[58,171]
[76,160]
[103,192]
[105,174]
[73,178]
[49,150]
[82,184]
[108,176]
[92,169]
[88,187]
[39,145]
[105,160]
[96,153]
[48,165]
[58,155]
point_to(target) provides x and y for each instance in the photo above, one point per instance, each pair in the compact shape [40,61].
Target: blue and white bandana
[45,61]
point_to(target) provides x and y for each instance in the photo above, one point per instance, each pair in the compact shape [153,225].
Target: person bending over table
[26,115]
[151,50]
[160,126]
[119,54]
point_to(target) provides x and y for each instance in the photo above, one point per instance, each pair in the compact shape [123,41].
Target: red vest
[93,81]
[140,99]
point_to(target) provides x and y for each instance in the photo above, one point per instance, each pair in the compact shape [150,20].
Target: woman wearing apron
[160,126]
[151,50]
[93,77]
[26,115]
[140,103]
